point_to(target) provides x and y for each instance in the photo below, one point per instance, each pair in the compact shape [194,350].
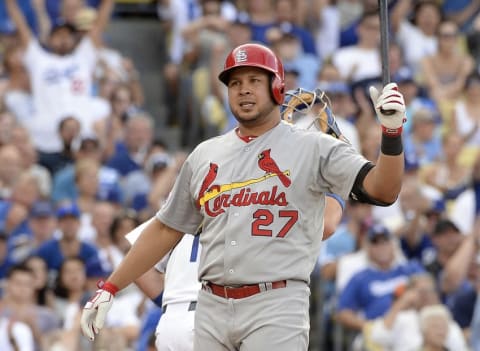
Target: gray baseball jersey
[261,202]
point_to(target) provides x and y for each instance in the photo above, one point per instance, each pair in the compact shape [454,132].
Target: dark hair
[66,119]
[474,76]
[445,225]
[420,3]
[129,214]
[60,290]
[18,268]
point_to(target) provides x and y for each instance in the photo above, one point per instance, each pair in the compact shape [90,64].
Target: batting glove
[390,108]
[95,310]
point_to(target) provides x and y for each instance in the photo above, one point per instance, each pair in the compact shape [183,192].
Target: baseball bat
[383,12]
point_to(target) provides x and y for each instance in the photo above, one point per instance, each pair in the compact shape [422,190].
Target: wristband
[338,198]
[107,286]
[158,300]
[391,145]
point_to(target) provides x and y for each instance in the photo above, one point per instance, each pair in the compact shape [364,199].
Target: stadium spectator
[369,293]
[417,38]
[131,152]
[401,328]
[61,80]
[56,250]
[88,148]
[18,303]
[362,60]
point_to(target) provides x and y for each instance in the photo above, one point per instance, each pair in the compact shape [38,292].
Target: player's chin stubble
[259,118]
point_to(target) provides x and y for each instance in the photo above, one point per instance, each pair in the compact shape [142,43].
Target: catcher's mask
[256,55]
[310,110]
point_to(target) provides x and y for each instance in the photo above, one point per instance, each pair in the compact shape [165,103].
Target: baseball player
[259,191]
[175,285]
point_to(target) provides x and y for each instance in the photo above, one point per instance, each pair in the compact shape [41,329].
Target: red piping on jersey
[247,138]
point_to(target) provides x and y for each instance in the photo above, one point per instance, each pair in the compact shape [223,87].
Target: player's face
[62,42]
[249,96]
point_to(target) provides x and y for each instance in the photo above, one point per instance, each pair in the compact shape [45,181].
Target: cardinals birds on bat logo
[207,181]
[268,164]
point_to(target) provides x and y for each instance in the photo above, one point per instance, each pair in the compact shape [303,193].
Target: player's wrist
[108,286]
[392,132]
[391,144]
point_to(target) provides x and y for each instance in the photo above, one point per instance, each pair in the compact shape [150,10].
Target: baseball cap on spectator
[335,87]
[61,24]
[378,230]
[423,114]
[403,75]
[42,209]
[158,161]
[445,225]
[68,210]
[242,19]
[289,68]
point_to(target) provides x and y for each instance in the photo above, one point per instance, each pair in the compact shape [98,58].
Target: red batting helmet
[255,55]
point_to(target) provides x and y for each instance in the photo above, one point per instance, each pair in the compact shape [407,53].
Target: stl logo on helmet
[241,56]
[224,195]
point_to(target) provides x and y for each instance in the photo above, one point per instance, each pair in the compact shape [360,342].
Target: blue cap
[377,230]
[68,209]
[290,68]
[335,87]
[42,209]
[403,75]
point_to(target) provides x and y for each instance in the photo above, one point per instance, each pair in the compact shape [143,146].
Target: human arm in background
[399,14]
[20,22]
[101,22]
[43,20]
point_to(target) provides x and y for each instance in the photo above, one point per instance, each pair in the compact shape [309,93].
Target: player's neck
[246,132]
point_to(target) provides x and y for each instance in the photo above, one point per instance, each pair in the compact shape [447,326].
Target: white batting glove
[389,100]
[95,310]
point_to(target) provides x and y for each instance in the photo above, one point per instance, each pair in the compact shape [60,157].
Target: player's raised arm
[101,22]
[383,182]
[18,19]
[154,243]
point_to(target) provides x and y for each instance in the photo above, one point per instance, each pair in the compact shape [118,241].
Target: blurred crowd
[81,166]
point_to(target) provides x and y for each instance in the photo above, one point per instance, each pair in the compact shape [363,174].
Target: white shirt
[61,87]
[356,63]
[180,267]
[405,334]
[21,333]
[415,44]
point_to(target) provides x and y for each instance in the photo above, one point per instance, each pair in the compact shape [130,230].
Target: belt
[192,306]
[232,292]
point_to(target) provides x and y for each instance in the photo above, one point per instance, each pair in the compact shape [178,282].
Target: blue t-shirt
[52,254]
[122,161]
[371,291]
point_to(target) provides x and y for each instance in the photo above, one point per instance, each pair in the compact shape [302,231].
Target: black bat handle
[383,8]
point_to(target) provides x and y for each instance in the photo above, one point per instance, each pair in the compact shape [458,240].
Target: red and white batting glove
[95,310]
[389,100]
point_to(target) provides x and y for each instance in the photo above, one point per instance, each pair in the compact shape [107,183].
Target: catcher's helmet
[256,55]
